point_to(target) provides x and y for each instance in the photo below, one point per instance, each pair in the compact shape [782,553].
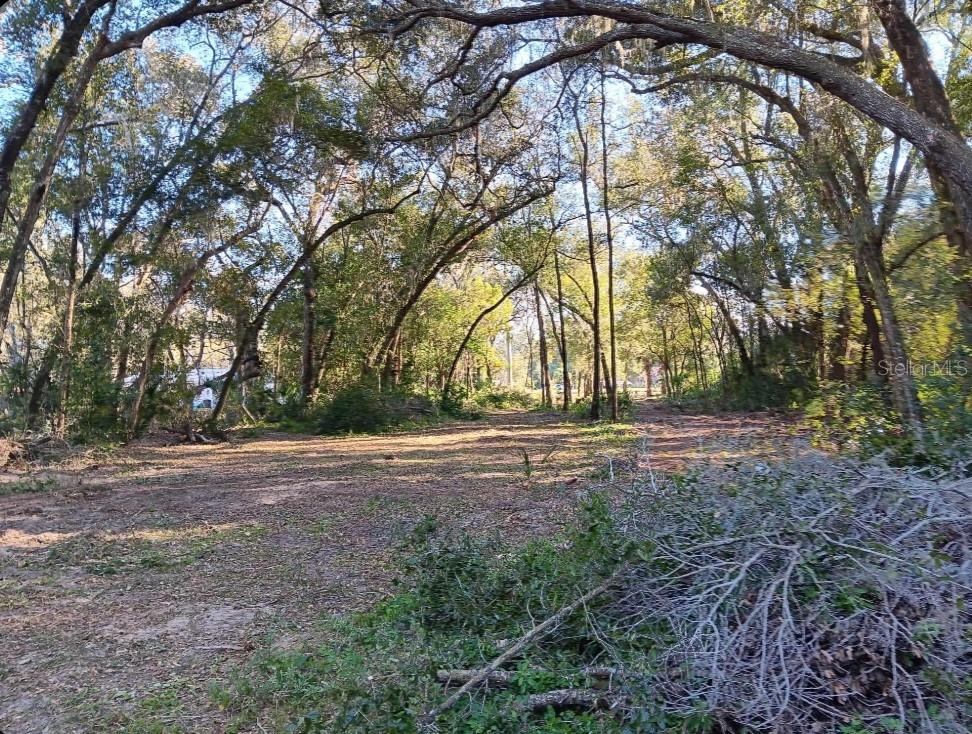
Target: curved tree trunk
[899,369]
[65,50]
[309,293]
[478,320]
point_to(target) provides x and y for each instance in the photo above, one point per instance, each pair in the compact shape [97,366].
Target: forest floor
[130,580]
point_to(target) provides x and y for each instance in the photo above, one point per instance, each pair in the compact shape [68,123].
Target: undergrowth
[854,576]
[460,402]
[357,409]
[30,485]
[581,408]
[460,600]
[857,420]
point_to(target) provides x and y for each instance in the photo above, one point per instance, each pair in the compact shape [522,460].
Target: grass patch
[161,550]
[321,527]
[611,435]
[157,711]
[32,485]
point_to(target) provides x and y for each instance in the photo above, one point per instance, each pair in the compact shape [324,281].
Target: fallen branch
[460,676]
[193,436]
[586,699]
[536,633]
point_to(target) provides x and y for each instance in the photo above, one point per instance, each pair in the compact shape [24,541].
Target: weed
[321,527]
[28,486]
[155,712]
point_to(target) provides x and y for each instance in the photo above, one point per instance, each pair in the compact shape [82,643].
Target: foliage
[365,409]
[711,563]
[457,402]
[856,419]
[582,408]
[376,671]
[502,398]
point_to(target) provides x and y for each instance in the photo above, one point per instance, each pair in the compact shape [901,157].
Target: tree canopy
[753,204]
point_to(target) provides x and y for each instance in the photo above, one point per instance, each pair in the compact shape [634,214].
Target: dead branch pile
[17,454]
[799,598]
[188,434]
[13,454]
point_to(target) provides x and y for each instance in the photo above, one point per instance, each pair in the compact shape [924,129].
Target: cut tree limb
[569,698]
[535,633]
[460,676]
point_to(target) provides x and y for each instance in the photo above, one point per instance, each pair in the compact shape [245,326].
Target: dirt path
[152,574]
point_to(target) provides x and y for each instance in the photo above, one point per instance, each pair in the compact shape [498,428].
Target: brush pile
[815,596]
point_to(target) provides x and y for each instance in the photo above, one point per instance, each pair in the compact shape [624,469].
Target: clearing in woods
[163,567]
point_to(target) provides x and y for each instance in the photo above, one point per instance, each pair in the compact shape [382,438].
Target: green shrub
[581,408]
[365,409]
[503,398]
[450,574]
[358,409]
[457,402]
[858,419]
[854,418]
[458,597]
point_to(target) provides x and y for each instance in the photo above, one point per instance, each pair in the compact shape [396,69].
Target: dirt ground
[160,567]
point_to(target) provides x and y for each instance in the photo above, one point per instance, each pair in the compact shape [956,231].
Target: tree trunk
[563,333]
[744,358]
[605,181]
[309,293]
[322,362]
[509,358]
[41,381]
[606,372]
[872,327]
[547,396]
[841,339]
[929,96]
[666,365]
[592,258]
[697,345]
[902,385]
[67,325]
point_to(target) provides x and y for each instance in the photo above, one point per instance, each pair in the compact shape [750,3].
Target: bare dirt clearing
[142,579]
